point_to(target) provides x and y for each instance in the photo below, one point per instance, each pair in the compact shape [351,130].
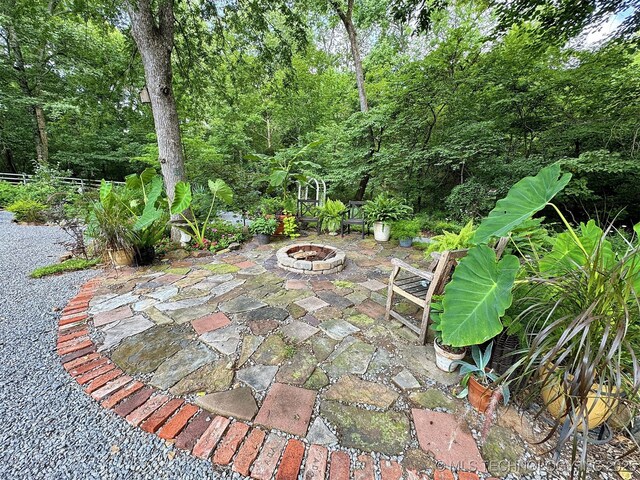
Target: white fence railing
[17,178]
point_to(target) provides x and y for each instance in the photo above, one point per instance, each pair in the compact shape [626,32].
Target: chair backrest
[354,209]
[306,208]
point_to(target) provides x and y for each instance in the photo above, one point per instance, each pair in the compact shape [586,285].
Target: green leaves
[219,189]
[182,198]
[571,252]
[525,198]
[477,296]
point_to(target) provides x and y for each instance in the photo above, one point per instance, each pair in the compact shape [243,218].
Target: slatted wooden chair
[307,213]
[353,215]
[419,286]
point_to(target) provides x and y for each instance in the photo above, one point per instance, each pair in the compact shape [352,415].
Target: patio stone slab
[182,364]
[433,398]
[282,298]
[237,403]
[115,332]
[113,303]
[384,432]
[448,438]
[405,380]
[317,380]
[371,308]
[179,304]
[210,323]
[311,303]
[350,389]
[322,346]
[273,351]
[250,343]
[262,327]
[296,285]
[334,299]
[361,320]
[338,328]
[264,313]
[373,285]
[221,268]
[243,303]
[214,377]
[287,408]
[157,317]
[297,370]
[298,332]
[224,340]
[355,359]
[225,287]
[319,433]
[421,360]
[144,304]
[144,352]
[163,294]
[120,313]
[184,315]
[258,377]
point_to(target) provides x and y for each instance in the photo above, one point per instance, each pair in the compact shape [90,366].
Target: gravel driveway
[50,428]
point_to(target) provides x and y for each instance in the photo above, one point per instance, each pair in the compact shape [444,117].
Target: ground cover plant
[70,265]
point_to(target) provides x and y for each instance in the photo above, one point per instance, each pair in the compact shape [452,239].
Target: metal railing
[23,178]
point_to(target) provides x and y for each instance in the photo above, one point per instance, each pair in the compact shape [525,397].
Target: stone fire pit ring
[311,259]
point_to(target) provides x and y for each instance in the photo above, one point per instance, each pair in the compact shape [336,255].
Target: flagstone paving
[310,358]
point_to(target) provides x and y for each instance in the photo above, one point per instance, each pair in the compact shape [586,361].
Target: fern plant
[452,241]
[330,215]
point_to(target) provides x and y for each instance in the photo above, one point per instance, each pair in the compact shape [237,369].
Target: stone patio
[308,356]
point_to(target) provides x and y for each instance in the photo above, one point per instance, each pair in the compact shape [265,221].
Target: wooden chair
[307,213]
[419,286]
[353,215]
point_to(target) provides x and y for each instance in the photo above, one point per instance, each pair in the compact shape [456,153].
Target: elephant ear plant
[194,227]
[578,304]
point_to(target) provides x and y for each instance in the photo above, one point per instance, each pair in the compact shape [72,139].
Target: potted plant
[330,215]
[405,231]
[447,356]
[111,227]
[382,211]
[479,382]
[263,228]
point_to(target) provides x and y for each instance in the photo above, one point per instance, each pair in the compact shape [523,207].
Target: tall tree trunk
[347,20]
[40,124]
[153,34]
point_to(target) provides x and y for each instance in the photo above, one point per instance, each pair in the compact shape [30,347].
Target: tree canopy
[462,98]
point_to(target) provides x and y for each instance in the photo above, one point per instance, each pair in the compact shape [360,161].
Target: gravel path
[50,428]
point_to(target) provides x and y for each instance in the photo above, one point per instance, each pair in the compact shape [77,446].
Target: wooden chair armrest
[405,266]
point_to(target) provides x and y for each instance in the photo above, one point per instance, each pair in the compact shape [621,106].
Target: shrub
[404,229]
[384,208]
[28,211]
[8,193]
[470,200]
[437,224]
[70,265]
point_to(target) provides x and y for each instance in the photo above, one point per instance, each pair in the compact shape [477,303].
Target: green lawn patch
[70,265]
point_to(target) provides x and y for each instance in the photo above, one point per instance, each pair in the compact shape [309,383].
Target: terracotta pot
[479,395]
[280,227]
[445,359]
[119,258]
[600,405]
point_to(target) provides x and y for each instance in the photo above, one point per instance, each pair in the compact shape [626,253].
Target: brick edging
[246,449]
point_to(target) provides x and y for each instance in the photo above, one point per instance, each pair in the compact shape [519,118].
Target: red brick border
[246,449]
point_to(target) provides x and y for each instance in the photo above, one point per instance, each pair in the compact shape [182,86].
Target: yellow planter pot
[600,405]
[120,258]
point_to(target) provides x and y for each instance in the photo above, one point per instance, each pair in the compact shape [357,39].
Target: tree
[153,30]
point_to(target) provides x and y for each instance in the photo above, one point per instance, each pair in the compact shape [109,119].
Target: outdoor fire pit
[311,259]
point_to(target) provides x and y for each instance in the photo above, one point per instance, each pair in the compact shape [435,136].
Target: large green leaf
[149,215]
[181,198]
[525,198]
[219,189]
[477,296]
[568,254]
[105,190]
[277,177]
